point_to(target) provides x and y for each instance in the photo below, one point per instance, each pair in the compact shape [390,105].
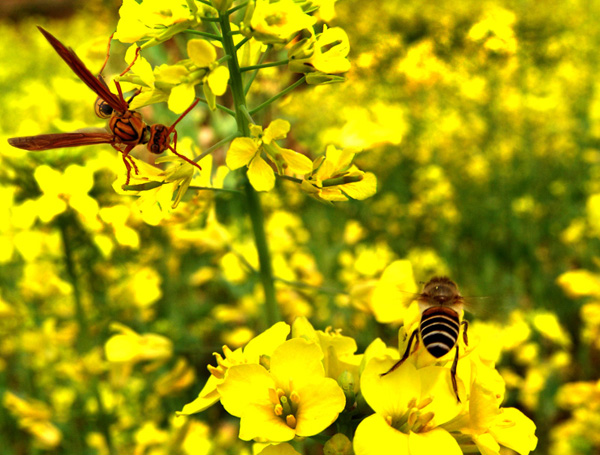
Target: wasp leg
[406,353]
[453,375]
[129,163]
[466,324]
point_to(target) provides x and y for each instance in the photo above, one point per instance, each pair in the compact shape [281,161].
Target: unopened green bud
[339,444]
[318,77]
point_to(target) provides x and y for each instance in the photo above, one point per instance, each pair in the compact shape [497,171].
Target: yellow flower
[246,151]
[34,418]
[63,190]
[292,397]
[260,347]
[154,20]
[579,283]
[131,347]
[321,56]
[393,292]
[335,178]
[338,350]
[276,22]
[410,405]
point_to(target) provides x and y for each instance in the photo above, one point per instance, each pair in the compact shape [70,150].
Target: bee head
[440,291]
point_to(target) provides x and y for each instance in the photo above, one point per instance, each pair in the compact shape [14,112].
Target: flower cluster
[282,389]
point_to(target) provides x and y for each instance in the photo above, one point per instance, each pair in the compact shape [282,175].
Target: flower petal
[206,398]
[297,162]
[245,386]
[240,152]
[298,360]
[277,129]
[261,175]
[320,403]
[266,342]
[217,80]
[260,421]
[375,437]
[389,394]
[201,52]
[364,189]
[437,440]
[181,97]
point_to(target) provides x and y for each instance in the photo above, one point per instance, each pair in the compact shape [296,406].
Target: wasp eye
[102,109]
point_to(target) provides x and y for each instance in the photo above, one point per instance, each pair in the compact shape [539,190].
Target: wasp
[126,128]
[442,308]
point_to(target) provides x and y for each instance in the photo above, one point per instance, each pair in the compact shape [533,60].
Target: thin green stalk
[252,197]
[265,65]
[220,107]
[211,36]
[213,147]
[241,43]
[284,92]
[237,7]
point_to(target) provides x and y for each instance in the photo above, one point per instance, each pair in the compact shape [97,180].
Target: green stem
[211,36]
[219,106]
[285,91]
[241,43]
[252,197]
[235,8]
[265,65]
[213,147]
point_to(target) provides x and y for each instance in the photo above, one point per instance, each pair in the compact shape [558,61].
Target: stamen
[425,401]
[412,418]
[291,421]
[294,397]
[423,421]
[278,409]
[217,372]
[280,393]
[273,396]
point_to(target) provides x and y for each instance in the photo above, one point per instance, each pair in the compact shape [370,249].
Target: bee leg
[406,353]
[453,375]
[466,324]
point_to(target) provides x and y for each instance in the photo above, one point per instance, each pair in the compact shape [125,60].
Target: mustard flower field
[226,228]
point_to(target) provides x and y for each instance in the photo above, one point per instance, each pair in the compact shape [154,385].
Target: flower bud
[339,444]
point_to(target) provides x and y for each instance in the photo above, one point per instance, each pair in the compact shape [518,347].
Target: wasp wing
[60,140]
[79,68]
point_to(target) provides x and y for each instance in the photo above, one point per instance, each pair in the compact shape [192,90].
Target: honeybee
[441,308]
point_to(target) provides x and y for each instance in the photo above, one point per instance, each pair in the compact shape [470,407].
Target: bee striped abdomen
[439,330]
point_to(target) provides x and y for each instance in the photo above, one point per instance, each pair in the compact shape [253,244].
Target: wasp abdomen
[439,330]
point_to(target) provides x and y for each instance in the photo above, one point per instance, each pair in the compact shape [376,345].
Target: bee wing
[78,67]
[60,140]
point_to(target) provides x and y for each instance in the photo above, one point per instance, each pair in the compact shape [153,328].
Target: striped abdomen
[439,330]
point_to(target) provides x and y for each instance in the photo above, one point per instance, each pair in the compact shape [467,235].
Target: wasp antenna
[137,53]
[107,54]
[192,162]
[192,106]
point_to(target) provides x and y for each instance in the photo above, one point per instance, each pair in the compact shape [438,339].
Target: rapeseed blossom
[292,397]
